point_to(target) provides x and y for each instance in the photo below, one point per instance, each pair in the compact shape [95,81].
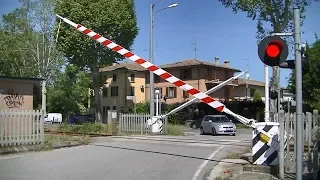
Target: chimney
[216,60]
[226,63]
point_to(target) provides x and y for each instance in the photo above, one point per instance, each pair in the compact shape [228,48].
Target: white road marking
[204,163]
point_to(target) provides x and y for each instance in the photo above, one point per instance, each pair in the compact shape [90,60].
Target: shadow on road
[164,153]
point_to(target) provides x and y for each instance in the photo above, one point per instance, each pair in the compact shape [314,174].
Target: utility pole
[298,68]
[151,80]
[266,92]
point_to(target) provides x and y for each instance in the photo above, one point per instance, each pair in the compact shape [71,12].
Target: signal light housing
[273,51]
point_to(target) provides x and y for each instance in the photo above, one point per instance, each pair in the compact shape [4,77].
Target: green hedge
[247,109]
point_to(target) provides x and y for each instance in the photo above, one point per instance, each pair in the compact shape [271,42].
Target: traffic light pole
[298,66]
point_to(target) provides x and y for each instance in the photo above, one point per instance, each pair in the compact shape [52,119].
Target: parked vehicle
[217,124]
[195,124]
[53,118]
[80,119]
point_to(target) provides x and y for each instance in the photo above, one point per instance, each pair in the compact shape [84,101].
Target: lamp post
[151,81]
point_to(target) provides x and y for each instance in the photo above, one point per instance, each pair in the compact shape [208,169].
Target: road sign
[131,97]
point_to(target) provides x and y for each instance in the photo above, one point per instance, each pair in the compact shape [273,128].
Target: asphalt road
[126,157]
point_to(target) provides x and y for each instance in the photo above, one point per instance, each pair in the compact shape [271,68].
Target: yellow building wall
[123,82]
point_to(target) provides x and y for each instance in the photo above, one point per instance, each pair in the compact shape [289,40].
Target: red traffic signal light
[273,51]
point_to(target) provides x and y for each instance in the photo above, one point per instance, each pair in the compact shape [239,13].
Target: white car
[53,118]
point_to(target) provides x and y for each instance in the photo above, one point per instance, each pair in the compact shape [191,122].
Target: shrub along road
[125,157]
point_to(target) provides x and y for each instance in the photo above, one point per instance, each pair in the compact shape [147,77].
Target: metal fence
[310,140]
[21,127]
[138,124]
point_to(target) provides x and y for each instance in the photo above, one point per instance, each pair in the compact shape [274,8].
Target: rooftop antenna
[195,47]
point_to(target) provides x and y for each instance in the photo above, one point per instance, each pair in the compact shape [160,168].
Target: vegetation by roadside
[84,128]
[175,130]
[55,141]
[237,155]
[242,126]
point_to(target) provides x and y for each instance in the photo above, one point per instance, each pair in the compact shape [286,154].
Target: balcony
[211,79]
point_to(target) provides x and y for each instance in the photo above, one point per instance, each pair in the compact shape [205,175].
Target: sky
[217,30]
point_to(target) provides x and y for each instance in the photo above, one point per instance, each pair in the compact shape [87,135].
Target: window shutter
[175,92]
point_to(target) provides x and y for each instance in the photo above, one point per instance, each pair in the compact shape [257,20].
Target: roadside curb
[227,168]
[233,169]
[35,148]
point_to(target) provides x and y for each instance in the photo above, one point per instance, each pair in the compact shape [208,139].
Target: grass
[175,130]
[237,155]
[220,178]
[54,140]
[84,128]
[242,126]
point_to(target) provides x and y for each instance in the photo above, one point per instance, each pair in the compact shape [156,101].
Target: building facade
[199,74]
[124,84]
[17,92]
[246,88]
[130,79]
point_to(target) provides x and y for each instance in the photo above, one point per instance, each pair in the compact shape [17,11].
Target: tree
[273,16]
[70,92]
[27,34]
[310,77]
[113,19]
[256,96]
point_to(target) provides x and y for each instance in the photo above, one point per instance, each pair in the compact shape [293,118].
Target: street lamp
[151,51]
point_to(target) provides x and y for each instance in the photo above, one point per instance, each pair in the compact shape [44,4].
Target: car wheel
[214,132]
[234,134]
[201,131]
[194,126]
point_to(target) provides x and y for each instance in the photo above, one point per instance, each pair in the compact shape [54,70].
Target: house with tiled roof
[203,75]
[246,88]
[127,81]
[124,84]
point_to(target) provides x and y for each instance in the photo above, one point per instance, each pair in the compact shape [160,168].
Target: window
[185,94]
[186,74]
[171,92]
[114,77]
[131,93]
[156,78]
[105,92]
[132,78]
[114,107]
[114,91]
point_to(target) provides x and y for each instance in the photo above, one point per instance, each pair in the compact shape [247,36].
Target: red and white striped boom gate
[162,73]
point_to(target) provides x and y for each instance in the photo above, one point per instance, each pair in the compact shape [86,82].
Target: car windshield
[219,119]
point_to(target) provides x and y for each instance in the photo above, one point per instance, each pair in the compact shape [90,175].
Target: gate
[21,127]
[138,124]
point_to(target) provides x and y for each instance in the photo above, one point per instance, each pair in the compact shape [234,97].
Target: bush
[84,128]
[248,109]
[174,130]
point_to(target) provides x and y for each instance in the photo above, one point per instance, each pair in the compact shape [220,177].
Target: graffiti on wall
[13,99]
